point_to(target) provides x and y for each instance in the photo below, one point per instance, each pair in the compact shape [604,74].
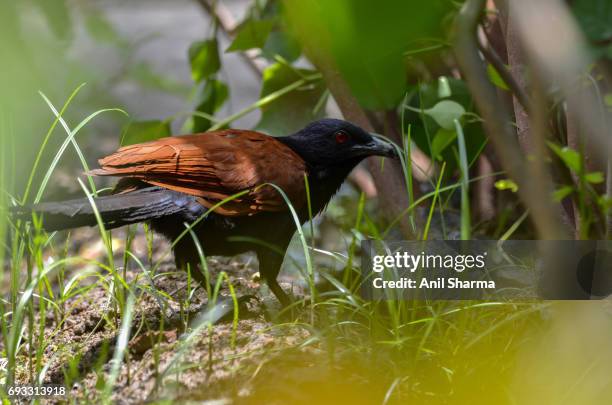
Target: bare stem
[494,59]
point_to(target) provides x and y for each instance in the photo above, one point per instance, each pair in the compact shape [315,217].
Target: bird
[225,184]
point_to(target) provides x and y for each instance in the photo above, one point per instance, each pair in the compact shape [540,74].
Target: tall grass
[23,317]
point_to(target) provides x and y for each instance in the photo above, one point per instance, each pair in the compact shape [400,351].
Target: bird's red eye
[341,137]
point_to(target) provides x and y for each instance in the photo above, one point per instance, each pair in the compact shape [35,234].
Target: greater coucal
[173,181]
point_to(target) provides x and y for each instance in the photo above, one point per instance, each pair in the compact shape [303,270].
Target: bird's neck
[325,183]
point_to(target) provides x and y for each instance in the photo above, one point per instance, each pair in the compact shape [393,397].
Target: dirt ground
[218,363]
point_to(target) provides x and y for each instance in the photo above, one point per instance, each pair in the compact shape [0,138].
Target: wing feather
[214,166]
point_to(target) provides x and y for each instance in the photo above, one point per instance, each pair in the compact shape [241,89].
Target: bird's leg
[269,266]
[186,257]
[278,291]
[196,273]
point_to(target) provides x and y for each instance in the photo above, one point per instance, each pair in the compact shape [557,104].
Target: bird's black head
[331,143]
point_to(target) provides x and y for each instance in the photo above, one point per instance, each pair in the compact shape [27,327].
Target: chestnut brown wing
[214,166]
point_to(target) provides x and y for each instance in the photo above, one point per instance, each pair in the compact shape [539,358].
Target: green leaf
[281,43]
[594,177]
[251,34]
[570,157]
[495,78]
[204,59]
[560,194]
[595,18]
[606,203]
[442,139]
[144,131]
[444,89]
[608,99]
[424,128]
[366,41]
[506,184]
[445,112]
[295,109]
[213,96]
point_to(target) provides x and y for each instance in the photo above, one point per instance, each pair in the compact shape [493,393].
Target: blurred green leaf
[606,51]
[58,17]
[444,89]
[442,139]
[560,194]
[214,94]
[102,30]
[595,18]
[594,177]
[251,34]
[366,41]
[295,109]
[445,112]
[506,184]
[204,59]
[495,78]
[608,99]
[144,73]
[144,131]
[606,203]
[283,44]
[570,157]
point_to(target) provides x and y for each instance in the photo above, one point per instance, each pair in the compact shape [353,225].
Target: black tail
[115,210]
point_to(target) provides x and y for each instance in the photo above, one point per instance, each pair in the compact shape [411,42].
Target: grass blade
[465,184]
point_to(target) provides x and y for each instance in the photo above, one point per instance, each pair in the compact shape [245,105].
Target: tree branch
[494,59]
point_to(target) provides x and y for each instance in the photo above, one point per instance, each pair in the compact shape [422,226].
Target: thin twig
[494,59]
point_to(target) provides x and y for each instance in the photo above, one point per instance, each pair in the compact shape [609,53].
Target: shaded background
[132,55]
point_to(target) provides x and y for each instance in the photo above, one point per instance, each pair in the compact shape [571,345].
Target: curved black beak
[376,147]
